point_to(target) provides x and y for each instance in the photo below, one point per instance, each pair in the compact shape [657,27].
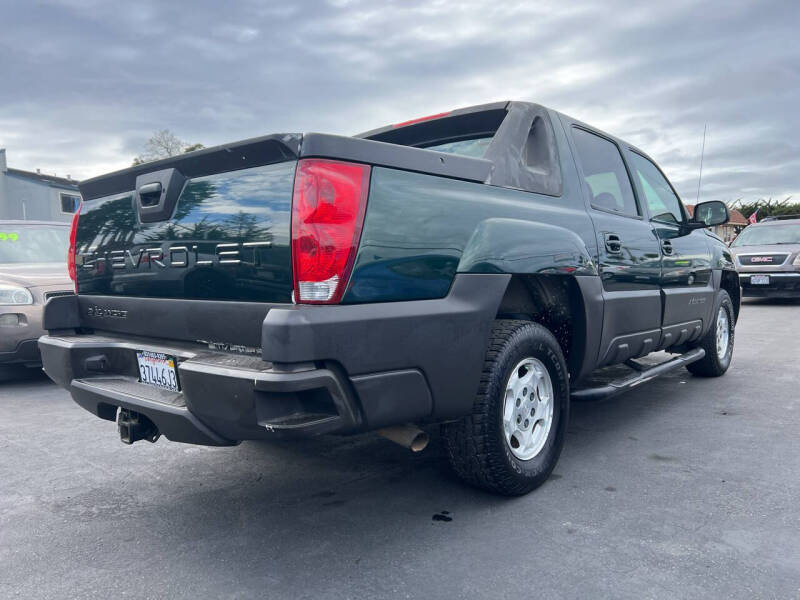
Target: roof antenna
[702,152]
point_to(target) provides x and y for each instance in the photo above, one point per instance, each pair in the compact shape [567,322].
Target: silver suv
[768,258]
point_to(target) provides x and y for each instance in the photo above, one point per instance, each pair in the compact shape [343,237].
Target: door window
[604,173]
[663,204]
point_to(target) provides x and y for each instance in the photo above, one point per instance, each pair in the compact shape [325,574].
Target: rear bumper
[224,398]
[25,353]
[18,342]
[781,285]
[323,369]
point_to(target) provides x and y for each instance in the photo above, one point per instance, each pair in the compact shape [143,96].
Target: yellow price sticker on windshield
[8,237]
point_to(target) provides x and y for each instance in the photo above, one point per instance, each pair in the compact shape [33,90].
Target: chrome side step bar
[642,375]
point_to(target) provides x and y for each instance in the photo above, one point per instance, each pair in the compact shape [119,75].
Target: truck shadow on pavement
[14,373]
[361,494]
[771,301]
[247,517]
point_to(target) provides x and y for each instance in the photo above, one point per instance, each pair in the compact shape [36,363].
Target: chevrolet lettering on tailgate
[175,256]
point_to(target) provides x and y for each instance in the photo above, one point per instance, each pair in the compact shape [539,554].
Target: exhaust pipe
[408,436]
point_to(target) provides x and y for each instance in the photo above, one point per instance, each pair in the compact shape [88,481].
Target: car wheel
[718,341]
[511,441]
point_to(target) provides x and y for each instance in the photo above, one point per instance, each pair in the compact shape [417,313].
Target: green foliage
[768,208]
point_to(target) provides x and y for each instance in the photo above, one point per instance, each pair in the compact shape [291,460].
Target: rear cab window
[490,132]
[475,148]
[466,134]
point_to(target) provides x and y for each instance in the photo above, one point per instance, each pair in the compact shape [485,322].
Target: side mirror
[711,213]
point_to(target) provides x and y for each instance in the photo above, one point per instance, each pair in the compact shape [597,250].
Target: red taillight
[73,273]
[421,119]
[328,205]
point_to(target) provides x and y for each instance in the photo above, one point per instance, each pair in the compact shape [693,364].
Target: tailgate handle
[157,194]
[613,243]
[150,194]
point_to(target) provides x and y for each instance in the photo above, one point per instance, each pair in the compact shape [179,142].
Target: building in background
[729,230]
[29,196]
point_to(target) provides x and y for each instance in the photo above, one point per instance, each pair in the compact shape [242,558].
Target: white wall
[28,199]
[24,198]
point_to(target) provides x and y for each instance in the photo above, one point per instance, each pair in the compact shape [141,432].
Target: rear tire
[511,441]
[718,341]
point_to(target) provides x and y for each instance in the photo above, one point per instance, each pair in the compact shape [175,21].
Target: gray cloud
[85,82]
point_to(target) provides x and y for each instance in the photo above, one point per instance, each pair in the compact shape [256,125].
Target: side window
[662,202]
[604,172]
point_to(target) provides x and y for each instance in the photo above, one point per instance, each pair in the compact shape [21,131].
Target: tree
[163,144]
[768,208]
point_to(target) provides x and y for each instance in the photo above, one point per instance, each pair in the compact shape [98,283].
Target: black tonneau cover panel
[287,146]
[245,154]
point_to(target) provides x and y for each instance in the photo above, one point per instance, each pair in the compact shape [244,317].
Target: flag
[753,218]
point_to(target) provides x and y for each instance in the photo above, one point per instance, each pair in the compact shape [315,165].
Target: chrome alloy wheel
[528,408]
[723,332]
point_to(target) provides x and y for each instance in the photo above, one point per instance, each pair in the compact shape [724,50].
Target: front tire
[511,441]
[718,341]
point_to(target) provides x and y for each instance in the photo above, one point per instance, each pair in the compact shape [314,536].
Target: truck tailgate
[222,233]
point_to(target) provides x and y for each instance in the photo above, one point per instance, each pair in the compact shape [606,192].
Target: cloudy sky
[83,83]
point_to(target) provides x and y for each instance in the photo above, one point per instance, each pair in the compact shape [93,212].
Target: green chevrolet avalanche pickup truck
[473,269]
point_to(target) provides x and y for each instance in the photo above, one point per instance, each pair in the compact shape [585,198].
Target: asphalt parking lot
[684,488]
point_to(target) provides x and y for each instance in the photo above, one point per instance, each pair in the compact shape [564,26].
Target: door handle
[613,243]
[666,245]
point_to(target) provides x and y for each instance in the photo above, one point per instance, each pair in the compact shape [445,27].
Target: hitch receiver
[133,426]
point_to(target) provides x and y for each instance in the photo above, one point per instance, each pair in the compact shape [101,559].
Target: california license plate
[759,280]
[158,369]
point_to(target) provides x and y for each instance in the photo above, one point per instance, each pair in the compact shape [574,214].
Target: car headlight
[796,261]
[12,294]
